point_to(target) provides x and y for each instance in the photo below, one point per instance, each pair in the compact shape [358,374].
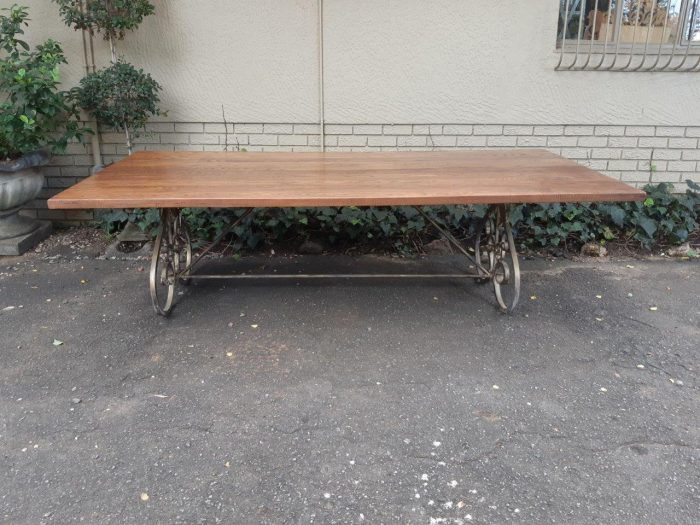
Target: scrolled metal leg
[172,253]
[495,249]
[184,249]
[483,247]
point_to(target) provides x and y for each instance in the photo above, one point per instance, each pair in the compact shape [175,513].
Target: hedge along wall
[634,154]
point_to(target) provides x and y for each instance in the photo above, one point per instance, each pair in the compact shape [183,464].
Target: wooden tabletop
[246,179]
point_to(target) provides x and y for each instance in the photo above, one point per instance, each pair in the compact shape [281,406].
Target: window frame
[598,47]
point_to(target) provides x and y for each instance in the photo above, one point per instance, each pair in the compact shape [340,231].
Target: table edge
[56,203]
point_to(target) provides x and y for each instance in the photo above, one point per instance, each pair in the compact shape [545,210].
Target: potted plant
[36,120]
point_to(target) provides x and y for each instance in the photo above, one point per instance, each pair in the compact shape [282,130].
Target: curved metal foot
[172,256]
[495,249]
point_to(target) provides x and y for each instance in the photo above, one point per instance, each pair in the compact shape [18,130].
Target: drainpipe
[321,94]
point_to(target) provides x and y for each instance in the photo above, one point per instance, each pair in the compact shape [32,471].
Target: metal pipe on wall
[321,87]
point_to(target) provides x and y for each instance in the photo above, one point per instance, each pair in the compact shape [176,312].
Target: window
[629,35]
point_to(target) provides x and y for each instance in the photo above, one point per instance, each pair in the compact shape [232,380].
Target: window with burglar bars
[629,35]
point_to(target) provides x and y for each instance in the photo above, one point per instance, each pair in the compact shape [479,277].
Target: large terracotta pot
[21,181]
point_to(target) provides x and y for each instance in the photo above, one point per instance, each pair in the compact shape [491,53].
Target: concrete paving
[350,402]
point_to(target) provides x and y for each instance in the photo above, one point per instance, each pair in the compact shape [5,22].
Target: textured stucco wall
[390,61]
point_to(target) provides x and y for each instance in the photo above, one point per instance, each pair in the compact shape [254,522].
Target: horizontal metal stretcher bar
[293,276]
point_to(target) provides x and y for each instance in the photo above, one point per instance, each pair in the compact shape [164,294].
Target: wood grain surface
[276,179]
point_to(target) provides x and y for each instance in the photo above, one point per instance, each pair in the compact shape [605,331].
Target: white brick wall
[634,154]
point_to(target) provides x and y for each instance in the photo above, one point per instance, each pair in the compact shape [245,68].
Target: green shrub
[663,217]
[34,113]
[119,96]
[112,18]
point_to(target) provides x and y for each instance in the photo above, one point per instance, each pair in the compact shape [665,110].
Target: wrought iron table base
[495,259]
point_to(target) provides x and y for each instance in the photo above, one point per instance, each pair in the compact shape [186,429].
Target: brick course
[635,154]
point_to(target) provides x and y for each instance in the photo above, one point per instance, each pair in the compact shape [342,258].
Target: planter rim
[30,160]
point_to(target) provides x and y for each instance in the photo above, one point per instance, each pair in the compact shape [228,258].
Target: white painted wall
[387,61]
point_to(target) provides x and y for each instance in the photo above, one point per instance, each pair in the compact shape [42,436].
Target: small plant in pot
[36,118]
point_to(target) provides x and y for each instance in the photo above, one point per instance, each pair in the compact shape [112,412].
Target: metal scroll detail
[495,256]
[170,262]
[495,250]
[495,259]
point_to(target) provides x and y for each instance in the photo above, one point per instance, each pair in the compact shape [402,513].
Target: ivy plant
[34,112]
[664,218]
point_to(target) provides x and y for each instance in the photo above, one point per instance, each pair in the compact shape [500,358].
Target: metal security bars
[629,35]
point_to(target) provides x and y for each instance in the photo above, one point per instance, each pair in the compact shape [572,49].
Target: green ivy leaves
[666,217]
[617,215]
[648,226]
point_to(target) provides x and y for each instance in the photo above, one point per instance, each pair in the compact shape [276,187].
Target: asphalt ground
[350,401]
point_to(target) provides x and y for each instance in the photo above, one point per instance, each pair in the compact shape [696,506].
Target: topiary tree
[111,18]
[119,96]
